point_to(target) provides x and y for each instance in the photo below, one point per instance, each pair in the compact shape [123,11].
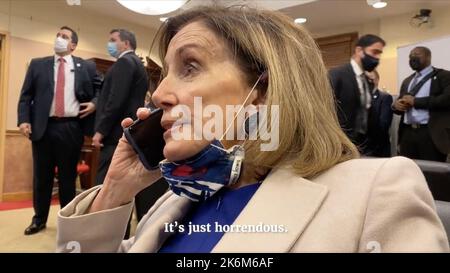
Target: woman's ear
[261,89]
[258,97]
[264,78]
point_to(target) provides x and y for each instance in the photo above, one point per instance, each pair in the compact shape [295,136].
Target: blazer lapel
[354,82]
[77,69]
[434,88]
[283,199]
[405,88]
[50,64]
[170,209]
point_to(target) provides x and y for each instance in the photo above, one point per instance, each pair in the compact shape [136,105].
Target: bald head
[424,50]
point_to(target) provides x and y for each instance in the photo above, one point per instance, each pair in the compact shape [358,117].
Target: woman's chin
[177,150]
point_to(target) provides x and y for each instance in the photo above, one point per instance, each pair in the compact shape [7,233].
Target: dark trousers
[417,144]
[147,197]
[59,147]
[362,142]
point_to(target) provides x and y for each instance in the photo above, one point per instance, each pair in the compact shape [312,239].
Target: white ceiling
[324,14]
[114,9]
[321,14]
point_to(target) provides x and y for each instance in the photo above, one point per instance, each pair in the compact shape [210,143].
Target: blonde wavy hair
[311,140]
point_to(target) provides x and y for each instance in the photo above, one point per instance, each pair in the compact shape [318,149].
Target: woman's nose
[162,97]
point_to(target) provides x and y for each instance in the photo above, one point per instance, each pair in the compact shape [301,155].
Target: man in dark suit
[351,88]
[379,120]
[424,106]
[123,92]
[57,96]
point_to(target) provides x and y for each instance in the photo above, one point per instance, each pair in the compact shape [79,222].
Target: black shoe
[34,228]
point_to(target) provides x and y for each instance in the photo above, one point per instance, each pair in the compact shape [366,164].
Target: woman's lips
[170,126]
[166,124]
[168,132]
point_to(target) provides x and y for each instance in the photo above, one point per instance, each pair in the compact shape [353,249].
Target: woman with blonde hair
[311,193]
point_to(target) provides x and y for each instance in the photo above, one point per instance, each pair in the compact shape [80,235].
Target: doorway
[3,97]
[337,49]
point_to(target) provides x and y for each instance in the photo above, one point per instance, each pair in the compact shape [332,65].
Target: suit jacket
[360,205]
[38,90]
[438,105]
[123,92]
[347,95]
[379,123]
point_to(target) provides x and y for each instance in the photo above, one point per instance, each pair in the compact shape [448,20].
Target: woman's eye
[189,69]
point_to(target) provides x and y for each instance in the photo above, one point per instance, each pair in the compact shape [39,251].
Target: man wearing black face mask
[352,91]
[424,104]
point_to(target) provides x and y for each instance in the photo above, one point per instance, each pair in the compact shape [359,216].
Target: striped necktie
[60,83]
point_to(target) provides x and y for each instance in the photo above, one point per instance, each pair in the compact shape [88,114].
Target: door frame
[4,81]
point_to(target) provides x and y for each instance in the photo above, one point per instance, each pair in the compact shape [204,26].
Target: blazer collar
[356,68]
[125,53]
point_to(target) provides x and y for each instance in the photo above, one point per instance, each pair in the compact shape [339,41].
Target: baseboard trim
[17,196]
[13,133]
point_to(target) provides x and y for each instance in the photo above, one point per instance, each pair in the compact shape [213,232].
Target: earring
[264,77]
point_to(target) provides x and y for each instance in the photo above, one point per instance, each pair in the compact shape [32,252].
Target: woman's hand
[126,176]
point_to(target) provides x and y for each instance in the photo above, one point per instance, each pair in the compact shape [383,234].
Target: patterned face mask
[201,176]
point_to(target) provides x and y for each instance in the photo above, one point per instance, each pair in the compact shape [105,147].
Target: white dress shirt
[125,52]
[71,104]
[359,79]
[420,116]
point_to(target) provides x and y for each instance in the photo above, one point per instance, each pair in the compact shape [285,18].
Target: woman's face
[197,64]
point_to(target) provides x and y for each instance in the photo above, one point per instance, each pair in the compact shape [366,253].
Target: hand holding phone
[127,176]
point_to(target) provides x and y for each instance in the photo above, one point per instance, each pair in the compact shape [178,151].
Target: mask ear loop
[262,77]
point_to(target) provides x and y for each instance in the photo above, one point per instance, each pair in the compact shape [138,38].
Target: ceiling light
[73,2]
[150,7]
[300,20]
[378,4]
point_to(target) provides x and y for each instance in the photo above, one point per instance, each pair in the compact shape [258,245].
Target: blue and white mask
[201,176]
[112,49]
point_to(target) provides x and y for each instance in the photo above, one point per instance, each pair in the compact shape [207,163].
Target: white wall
[33,26]
[439,47]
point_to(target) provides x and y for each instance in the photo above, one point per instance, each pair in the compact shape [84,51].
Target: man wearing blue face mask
[352,91]
[123,92]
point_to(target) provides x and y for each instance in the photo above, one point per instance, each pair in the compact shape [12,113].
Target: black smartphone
[146,138]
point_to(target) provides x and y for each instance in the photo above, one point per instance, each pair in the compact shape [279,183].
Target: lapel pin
[78,65]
